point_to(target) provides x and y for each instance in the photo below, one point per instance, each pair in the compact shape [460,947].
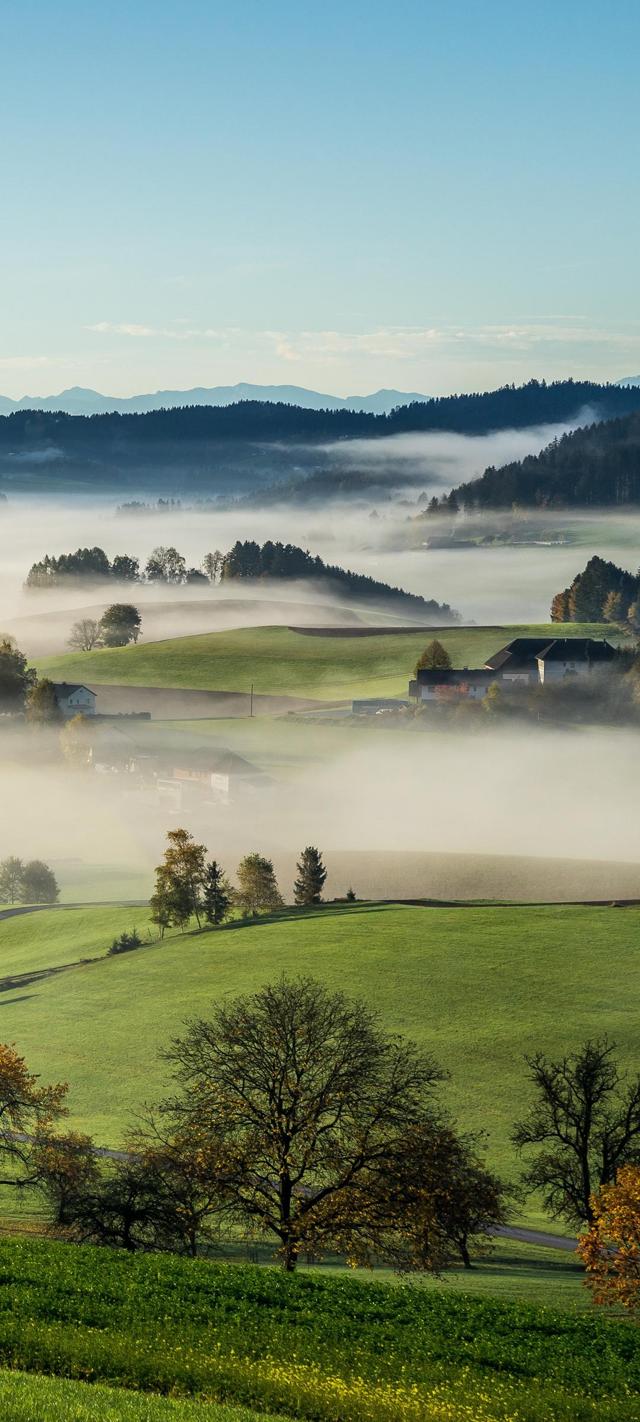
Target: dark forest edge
[517,407]
[593,467]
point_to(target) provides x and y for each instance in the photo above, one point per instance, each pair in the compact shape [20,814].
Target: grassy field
[29,1397]
[280,661]
[479,986]
[328,1350]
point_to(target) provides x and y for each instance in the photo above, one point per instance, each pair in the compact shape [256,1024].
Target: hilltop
[329,664]
[597,466]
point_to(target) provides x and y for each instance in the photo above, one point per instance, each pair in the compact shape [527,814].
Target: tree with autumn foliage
[610,1250]
[180,879]
[434,658]
[28,1115]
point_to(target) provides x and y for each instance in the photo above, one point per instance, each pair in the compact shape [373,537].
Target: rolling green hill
[283,661]
[479,985]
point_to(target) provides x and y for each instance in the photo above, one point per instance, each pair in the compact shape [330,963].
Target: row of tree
[164,565]
[252,560]
[245,560]
[189,885]
[602,592]
[30,883]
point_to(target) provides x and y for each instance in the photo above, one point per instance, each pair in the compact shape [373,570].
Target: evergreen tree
[216,893]
[311,879]
[434,658]
[257,885]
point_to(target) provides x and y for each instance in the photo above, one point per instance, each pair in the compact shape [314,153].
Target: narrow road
[17,909]
[537,1236]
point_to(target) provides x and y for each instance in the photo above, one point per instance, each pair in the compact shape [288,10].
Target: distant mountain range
[629,380]
[78,401]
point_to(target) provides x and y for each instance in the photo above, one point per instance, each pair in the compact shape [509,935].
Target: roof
[67,688]
[522,652]
[574,649]
[426,676]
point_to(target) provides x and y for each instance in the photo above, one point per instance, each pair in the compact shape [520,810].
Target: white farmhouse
[75,700]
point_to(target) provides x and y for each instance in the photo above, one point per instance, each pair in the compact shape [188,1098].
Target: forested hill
[597,466]
[112,434]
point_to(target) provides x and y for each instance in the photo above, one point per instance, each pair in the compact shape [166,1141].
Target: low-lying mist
[376,810]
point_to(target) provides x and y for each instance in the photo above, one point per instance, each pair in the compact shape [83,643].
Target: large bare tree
[309,1102]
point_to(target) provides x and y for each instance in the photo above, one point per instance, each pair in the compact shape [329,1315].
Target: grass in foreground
[28,1397]
[280,661]
[331,1350]
[478,986]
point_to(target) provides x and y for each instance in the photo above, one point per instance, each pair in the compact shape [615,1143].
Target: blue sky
[431,197]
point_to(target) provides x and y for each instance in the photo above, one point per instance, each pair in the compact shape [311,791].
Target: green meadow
[328,1349]
[479,986]
[283,661]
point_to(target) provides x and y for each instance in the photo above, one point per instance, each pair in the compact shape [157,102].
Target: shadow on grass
[294,914]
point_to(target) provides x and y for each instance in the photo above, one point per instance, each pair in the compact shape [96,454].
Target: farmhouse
[526,661]
[529,660]
[74,699]
[210,777]
[451,685]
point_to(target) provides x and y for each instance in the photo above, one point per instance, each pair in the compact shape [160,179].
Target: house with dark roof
[532,660]
[75,699]
[526,661]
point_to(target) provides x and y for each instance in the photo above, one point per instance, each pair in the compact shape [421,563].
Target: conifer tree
[216,894]
[434,658]
[311,877]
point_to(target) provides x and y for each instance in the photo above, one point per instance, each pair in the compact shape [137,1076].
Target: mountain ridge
[81,400]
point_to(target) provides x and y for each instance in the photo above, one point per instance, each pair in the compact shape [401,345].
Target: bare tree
[309,1101]
[84,635]
[586,1119]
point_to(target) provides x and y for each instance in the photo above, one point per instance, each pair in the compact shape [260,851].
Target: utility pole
[251,701]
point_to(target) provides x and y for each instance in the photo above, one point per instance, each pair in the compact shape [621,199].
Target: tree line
[511,406]
[246,559]
[602,592]
[596,466]
[165,565]
[189,885]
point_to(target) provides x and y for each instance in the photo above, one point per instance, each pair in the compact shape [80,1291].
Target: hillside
[598,466]
[285,661]
[481,986]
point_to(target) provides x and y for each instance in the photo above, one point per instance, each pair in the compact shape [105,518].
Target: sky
[428,197]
